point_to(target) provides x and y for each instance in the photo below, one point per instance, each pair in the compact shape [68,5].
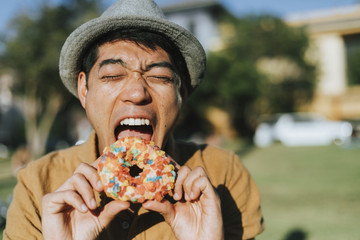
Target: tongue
[133,133]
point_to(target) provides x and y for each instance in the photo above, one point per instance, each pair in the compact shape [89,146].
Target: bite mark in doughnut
[133,169]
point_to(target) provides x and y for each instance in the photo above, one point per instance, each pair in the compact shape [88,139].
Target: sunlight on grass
[313,191]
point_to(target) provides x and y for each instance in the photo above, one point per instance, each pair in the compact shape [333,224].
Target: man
[131,70]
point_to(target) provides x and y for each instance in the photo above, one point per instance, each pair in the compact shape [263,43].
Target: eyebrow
[160,64]
[148,67]
[112,61]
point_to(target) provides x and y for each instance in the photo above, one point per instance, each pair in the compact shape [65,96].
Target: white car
[302,129]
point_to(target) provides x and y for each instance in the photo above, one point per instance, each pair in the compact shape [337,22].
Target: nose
[135,91]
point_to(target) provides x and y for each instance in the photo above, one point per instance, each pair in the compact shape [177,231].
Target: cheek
[97,105]
[170,105]
[92,114]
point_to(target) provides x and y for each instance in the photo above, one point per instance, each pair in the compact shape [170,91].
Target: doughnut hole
[135,171]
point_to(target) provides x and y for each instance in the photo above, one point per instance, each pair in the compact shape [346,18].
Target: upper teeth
[135,121]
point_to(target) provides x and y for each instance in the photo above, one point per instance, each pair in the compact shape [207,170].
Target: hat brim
[79,40]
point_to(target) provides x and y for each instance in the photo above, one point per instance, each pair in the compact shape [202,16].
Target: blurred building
[200,17]
[335,36]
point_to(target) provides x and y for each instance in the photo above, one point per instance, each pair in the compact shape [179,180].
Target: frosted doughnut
[152,178]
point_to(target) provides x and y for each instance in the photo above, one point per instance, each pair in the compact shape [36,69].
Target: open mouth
[135,127]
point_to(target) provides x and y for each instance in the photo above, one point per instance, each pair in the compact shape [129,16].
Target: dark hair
[142,38]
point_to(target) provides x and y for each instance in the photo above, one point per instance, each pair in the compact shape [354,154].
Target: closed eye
[116,77]
[164,79]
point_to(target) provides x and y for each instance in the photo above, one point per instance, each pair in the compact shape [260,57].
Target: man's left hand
[197,212]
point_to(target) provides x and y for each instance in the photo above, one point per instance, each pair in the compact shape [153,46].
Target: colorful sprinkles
[155,180]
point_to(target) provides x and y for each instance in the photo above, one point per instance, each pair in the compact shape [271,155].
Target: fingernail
[186,197]
[83,207]
[99,184]
[176,196]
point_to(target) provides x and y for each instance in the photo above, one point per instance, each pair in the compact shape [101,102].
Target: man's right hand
[71,211]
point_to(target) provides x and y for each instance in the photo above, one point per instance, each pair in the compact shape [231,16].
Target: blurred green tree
[261,68]
[31,54]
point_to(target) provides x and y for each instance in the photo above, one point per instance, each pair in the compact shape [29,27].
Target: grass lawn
[308,193]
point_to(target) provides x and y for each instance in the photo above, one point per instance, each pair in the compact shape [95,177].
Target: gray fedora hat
[125,14]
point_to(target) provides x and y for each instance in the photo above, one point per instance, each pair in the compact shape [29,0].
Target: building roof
[343,20]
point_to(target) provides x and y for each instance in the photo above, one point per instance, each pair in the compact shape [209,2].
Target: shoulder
[51,170]
[188,150]
[217,162]
[54,159]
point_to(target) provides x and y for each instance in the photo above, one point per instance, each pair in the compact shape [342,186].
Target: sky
[282,8]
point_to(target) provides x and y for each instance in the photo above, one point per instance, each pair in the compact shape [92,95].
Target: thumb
[110,210]
[165,208]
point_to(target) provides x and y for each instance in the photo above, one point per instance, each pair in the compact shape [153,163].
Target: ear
[82,88]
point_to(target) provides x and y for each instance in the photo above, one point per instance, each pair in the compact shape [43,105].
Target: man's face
[131,92]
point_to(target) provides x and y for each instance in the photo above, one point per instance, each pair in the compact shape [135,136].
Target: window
[352,45]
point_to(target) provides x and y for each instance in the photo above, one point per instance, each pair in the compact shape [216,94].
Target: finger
[82,186]
[202,187]
[165,208]
[57,202]
[182,174]
[110,210]
[195,174]
[90,173]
